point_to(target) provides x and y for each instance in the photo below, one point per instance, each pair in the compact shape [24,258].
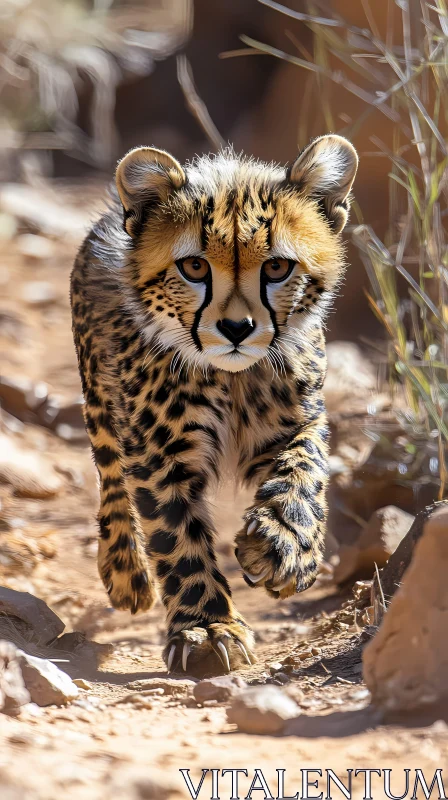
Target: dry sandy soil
[114,740]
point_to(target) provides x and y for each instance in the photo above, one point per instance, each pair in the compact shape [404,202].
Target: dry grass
[404,78]
[52,51]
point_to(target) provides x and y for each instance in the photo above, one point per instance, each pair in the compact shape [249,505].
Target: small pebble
[38,293]
[81,683]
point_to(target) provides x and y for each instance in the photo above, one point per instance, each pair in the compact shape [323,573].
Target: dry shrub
[51,51]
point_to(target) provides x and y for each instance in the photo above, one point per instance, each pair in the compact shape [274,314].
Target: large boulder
[13,692]
[405,663]
[386,583]
[29,473]
[41,623]
[350,380]
[378,540]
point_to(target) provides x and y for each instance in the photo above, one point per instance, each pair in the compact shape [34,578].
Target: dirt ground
[114,740]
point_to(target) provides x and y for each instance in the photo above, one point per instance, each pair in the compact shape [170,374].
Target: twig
[338,77]
[383,602]
[352,515]
[195,104]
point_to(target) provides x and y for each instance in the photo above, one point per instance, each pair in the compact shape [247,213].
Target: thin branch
[195,104]
[337,77]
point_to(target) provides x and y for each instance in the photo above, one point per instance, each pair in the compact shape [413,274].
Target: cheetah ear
[145,175]
[325,170]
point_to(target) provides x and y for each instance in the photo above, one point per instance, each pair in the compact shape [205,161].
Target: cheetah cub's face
[232,258]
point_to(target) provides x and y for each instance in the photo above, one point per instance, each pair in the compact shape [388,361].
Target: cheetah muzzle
[198,306]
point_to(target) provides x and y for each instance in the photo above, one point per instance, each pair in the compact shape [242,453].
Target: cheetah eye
[276,270]
[194,269]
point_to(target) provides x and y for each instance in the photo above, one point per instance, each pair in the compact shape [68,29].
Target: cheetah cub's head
[231,258]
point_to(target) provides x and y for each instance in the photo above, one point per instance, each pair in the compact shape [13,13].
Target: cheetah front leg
[122,562]
[206,634]
[281,544]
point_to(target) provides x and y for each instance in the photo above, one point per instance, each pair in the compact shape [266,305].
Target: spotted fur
[171,404]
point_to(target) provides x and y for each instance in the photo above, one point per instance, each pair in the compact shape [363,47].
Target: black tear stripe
[264,300]
[197,316]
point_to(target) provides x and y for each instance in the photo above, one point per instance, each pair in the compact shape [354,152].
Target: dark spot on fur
[178,446]
[217,606]
[138,581]
[146,503]
[162,568]
[174,512]
[192,595]
[163,542]
[189,566]
[171,585]
[161,435]
[105,456]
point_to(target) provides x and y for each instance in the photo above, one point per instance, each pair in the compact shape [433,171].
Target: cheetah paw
[132,588]
[276,553]
[134,591]
[215,650]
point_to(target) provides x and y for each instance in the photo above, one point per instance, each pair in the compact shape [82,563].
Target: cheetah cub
[198,324]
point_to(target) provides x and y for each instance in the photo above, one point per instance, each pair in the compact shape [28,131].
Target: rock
[29,473]
[170,686]
[221,688]
[82,684]
[404,666]
[144,699]
[8,227]
[46,683]
[281,678]
[392,574]
[362,591]
[134,783]
[69,415]
[88,654]
[20,397]
[13,692]
[351,378]
[38,293]
[42,212]
[31,402]
[35,248]
[262,709]
[16,555]
[377,541]
[43,624]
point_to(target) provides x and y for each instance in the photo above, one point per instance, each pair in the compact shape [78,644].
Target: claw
[185,654]
[281,585]
[223,654]
[170,657]
[109,587]
[244,651]
[257,578]
[251,527]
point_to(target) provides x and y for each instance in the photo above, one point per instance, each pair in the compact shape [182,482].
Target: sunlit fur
[171,404]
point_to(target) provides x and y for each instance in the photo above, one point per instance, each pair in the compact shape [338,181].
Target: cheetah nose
[236,332]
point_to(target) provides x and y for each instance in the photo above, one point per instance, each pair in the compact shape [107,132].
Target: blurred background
[81,82]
